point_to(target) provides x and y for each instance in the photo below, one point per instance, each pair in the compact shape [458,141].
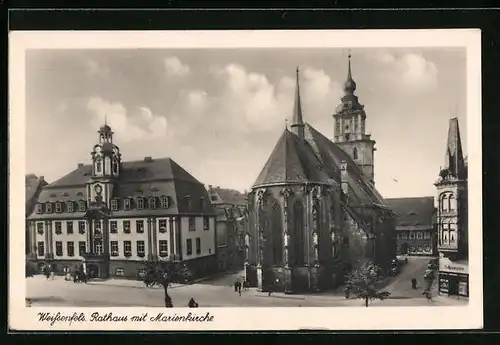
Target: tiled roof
[292,161]
[227,196]
[33,186]
[156,178]
[413,213]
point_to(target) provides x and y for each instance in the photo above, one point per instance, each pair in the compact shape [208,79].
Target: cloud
[139,124]
[174,66]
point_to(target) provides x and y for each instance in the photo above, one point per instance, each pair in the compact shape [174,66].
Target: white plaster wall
[207,237]
[133,237]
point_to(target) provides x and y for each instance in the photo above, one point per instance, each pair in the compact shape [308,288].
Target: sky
[219,112]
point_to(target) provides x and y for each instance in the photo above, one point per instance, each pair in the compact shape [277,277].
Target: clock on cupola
[106,165]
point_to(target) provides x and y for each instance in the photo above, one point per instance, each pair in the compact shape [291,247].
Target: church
[314,211]
[111,216]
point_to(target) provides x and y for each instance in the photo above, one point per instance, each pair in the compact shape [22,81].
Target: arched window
[298,233]
[115,166]
[98,167]
[451,202]
[444,203]
[276,234]
[355,153]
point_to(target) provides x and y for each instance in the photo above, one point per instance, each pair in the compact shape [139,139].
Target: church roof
[145,178]
[415,213]
[226,196]
[291,161]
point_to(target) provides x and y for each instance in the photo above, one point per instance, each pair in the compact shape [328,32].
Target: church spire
[454,158]
[297,122]
[350,84]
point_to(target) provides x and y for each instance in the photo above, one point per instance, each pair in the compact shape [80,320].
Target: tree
[165,273]
[363,282]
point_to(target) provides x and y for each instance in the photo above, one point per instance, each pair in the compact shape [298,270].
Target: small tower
[106,161]
[451,198]
[349,128]
[297,122]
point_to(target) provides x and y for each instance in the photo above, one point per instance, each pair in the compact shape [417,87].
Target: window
[198,245]
[427,235]
[98,165]
[48,207]
[82,248]
[451,203]
[164,202]
[419,235]
[39,228]
[189,246]
[404,235]
[39,208]
[152,203]
[97,226]
[192,224]
[127,248]
[141,249]
[444,203]
[412,235]
[59,248]
[206,223]
[58,228]
[114,205]
[355,153]
[140,203]
[70,206]
[213,198]
[113,226]
[41,249]
[58,207]
[162,225]
[163,248]
[139,226]
[69,227]
[126,226]
[70,248]
[120,271]
[209,251]
[114,248]
[126,204]
[81,226]
[82,206]
[115,167]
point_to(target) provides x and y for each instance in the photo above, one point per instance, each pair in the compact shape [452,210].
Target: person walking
[239,288]
[47,272]
[414,284]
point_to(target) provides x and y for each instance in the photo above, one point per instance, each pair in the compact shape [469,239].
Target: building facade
[416,225]
[112,216]
[34,185]
[451,201]
[230,207]
[314,213]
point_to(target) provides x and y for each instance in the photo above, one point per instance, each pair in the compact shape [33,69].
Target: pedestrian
[192,303]
[347,292]
[414,284]
[236,286]
[47,272]
[239,288]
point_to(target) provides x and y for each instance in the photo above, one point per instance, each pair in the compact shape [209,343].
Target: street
[215,292]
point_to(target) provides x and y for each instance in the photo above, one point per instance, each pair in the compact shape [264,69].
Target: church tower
[451,198]
[349,128]
[297,122]
[106,161]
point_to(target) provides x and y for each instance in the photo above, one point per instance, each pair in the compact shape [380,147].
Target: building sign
[446,265]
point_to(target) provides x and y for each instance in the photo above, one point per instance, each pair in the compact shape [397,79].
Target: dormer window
[81,206]
[48,207]
[39,208]
[58,207]
[152,203]
[140,203]
[70,206]
[126,204]
[164,202]
[114,205]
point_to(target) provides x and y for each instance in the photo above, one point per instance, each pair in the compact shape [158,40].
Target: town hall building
[314,211]
[112,216]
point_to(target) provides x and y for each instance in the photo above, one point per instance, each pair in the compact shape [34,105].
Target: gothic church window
[276,234]
[298,233]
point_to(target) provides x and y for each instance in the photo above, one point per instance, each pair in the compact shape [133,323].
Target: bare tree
[164,273]
[364,282]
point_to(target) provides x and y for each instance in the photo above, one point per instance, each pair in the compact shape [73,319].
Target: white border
[350,318]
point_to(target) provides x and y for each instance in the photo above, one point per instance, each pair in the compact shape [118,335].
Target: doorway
[93,271]
[453,287]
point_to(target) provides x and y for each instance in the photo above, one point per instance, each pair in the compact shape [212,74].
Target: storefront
[453,277]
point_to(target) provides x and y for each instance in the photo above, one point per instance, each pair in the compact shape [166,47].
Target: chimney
[148,159]
[42,178]
[343,177]
[80,165]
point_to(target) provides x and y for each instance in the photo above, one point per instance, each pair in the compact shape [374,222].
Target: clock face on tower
[98,189]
